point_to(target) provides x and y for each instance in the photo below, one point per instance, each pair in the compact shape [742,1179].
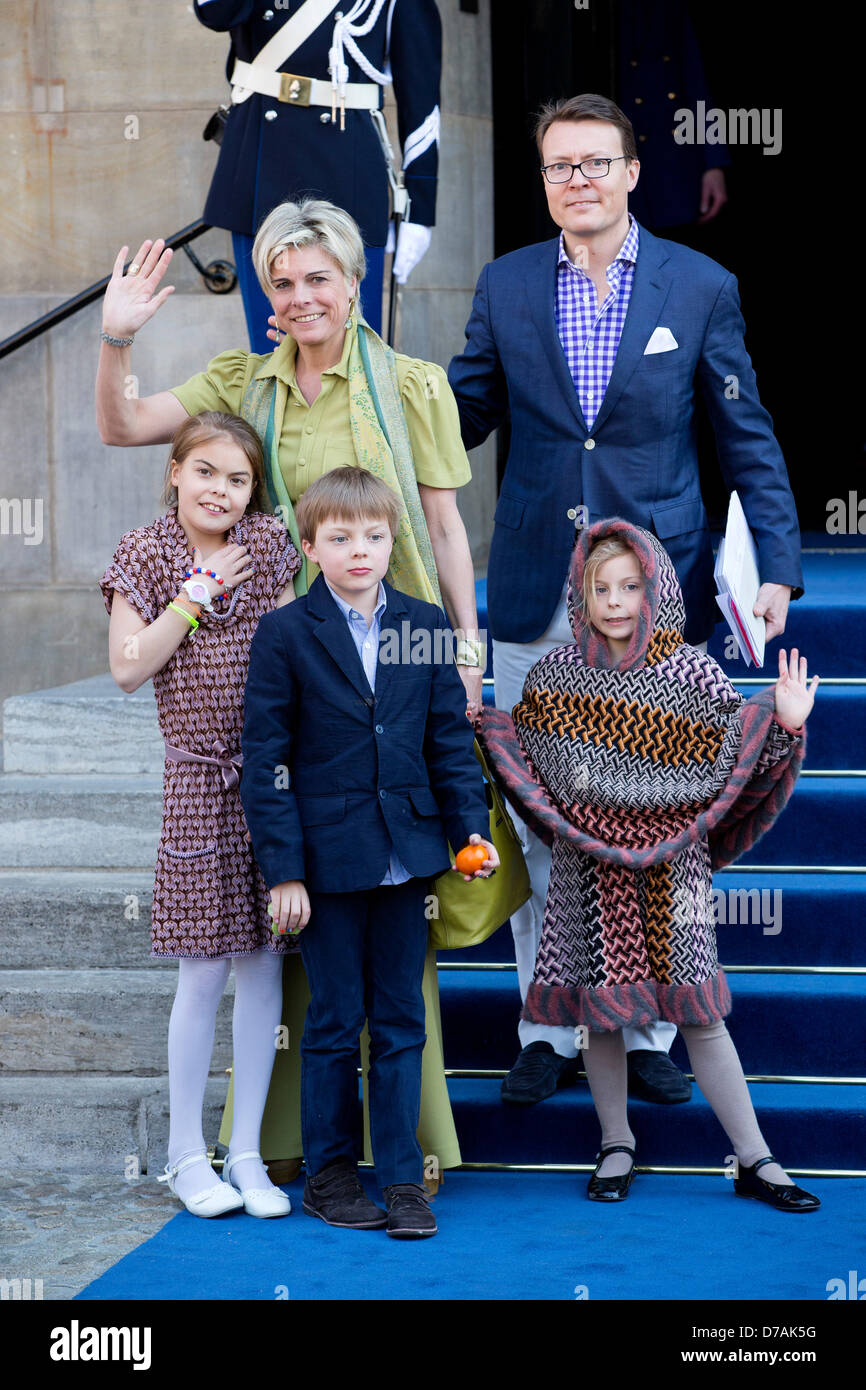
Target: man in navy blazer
[358,771]
[597,343]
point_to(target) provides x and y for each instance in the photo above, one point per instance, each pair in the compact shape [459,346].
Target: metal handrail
[80,301]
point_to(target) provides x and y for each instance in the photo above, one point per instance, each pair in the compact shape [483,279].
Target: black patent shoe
[336,1196]
[613,1189]
[777,1194]
[537,1074]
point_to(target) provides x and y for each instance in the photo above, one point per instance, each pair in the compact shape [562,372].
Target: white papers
[738,581]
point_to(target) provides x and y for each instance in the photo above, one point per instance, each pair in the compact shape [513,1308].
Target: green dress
[312,440]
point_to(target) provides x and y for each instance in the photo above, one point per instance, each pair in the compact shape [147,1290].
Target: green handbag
[470,912]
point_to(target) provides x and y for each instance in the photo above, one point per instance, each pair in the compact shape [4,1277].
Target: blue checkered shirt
[366,641]
[590,333]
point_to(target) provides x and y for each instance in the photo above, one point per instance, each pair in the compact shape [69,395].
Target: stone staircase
[84,1009]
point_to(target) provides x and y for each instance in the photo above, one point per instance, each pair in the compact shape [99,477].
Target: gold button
[671,96]
[633,62]
[665,58]
[638,101]
[642,138]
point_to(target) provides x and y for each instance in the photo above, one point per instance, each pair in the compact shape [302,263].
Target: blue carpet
[515,1236]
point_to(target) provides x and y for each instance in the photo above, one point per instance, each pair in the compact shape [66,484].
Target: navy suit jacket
[365,771]
[640,460]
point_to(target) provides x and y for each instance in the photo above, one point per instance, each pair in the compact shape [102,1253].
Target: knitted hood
[662,615]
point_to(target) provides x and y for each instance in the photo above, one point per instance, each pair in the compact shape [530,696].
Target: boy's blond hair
[347,494]
[606,549]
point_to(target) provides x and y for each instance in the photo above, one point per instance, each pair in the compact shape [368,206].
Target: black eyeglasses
[590,168]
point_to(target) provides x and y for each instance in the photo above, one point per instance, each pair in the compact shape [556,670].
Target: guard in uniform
[660,71]
[307,129]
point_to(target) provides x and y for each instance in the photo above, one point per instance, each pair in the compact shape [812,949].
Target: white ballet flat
[256,1201]
[213,1201]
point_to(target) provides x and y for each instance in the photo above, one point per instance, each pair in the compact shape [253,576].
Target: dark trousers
[364,956]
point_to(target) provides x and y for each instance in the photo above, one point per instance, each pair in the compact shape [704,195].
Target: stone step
[86,919]
[103,1021]
[94,1124]
[86,726]
[87,821]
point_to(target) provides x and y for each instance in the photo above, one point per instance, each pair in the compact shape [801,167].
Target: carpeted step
[763,918]
[821,825]
[534,1237]
[828,624]
[807,1126]
[838,708]
[788,1025]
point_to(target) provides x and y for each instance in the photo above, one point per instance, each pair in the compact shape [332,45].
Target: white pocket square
[662,340]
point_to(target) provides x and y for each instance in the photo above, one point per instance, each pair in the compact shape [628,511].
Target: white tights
[719,1074]
[257,1013]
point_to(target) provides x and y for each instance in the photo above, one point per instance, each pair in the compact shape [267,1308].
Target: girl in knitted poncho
[633,753]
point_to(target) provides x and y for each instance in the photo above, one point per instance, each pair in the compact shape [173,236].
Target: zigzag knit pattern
[646,774]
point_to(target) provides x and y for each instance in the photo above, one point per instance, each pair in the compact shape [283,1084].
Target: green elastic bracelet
[190,619]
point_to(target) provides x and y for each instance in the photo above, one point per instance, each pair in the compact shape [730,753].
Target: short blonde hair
[310,222]
[608,548]
[347,494]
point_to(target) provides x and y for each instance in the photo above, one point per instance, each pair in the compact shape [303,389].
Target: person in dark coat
[305,142]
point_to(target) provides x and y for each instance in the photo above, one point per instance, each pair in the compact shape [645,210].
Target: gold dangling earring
[348,323]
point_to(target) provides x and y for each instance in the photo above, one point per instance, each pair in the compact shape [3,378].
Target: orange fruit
[470,858]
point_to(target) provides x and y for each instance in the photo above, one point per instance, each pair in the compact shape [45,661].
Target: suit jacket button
[382,795]
[589,444]
[268,14]
[571,513]
[270,115]
[379,729]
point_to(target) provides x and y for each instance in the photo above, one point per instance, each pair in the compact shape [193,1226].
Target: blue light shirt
[366,641]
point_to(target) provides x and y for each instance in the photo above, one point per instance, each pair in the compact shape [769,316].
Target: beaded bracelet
[116,342]
[210,574]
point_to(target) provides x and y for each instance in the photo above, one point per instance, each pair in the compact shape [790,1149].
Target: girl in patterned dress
[191,632]
[633,752]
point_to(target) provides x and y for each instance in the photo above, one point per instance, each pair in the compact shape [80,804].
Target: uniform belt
[296,90]
[228,763]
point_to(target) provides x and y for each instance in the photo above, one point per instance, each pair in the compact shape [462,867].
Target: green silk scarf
[382,445]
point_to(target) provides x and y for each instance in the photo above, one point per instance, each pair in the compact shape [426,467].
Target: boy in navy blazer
[358,771]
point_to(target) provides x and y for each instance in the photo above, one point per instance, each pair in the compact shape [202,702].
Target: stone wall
[101,111]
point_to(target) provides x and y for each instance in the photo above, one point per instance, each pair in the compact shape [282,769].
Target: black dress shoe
[778,1194]
[613,1189]
[336,1196]
[653,1076]
[409,1214]
[537,1073]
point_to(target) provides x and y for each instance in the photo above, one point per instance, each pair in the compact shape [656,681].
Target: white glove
[412,243]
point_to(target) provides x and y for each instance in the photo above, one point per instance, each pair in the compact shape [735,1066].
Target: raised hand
[794,700]
[231,562]
[131,299]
